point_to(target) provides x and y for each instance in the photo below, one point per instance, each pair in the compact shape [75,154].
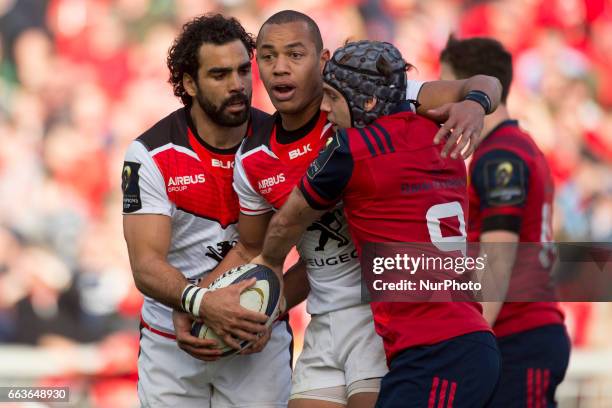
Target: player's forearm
[297,286]
[435,94]
[496,278]
[159,280]
[487,84]
[284,231]
[495,283]
[490,311]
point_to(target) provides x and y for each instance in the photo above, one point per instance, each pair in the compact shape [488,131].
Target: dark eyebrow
[295,45]
[219,70]
[226,70]
[292,45]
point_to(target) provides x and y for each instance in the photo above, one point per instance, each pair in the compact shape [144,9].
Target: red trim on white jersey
[147,326]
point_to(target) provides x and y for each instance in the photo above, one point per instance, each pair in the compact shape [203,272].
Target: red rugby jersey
[511,188]
[368,169]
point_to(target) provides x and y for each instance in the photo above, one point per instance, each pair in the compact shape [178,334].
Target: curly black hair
[208,28]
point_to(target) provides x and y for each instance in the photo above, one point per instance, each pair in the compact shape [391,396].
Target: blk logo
[293,154]
[224,164]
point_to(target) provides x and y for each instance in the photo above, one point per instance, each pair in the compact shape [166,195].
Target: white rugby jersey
[269,164]
[170,170]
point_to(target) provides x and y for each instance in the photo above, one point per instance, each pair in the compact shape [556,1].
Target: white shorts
[169,377]
[340,347]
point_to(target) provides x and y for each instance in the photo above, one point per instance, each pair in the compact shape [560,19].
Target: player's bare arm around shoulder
[460,106]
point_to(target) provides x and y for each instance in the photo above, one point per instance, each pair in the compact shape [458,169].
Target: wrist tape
[191,299]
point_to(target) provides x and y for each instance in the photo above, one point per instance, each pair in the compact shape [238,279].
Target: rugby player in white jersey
[180,215]
[343,359]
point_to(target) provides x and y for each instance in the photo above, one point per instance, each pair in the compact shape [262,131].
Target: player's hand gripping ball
[262,297]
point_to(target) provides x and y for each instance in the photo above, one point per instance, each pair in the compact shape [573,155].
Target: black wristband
[481,98]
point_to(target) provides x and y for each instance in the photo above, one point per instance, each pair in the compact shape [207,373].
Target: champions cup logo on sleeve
[504,182]
[125,177]
[130,187]
[331,145]
[503,174]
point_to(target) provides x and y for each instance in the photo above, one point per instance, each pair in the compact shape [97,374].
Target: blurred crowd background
[80,79]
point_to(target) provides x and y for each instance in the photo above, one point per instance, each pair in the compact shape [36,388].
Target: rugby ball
[262,297]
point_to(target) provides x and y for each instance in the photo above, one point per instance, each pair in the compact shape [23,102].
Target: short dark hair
[292,16]
[479,55]
[209,28]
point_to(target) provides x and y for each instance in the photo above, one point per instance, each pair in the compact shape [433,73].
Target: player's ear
[370,104]
[325,56]
[190,85]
